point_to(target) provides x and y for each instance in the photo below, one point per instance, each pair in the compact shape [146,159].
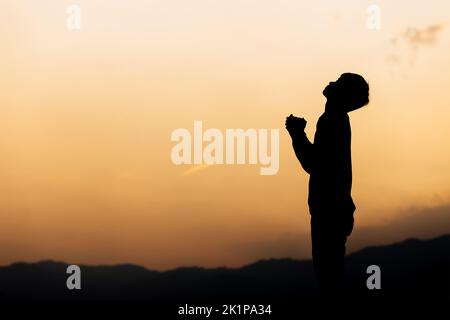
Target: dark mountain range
[413,268]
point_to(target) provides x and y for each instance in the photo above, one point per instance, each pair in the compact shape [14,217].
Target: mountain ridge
[409,268]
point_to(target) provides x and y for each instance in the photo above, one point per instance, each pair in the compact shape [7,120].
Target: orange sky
[86,118]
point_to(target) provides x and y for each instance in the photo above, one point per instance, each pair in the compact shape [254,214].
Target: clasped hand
[295,125]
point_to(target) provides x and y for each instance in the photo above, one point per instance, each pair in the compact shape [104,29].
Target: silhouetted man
[328,162]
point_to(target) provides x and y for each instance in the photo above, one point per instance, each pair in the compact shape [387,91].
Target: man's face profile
[350,91]
[333,89]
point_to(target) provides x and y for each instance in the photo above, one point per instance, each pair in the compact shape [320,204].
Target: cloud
[195,168]
[406,44]
[425,36]
[419,222]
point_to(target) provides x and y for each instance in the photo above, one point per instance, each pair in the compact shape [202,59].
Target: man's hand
[295,125]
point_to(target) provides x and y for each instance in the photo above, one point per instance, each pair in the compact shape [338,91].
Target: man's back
[331,170]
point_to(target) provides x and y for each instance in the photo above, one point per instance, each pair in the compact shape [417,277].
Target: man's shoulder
[341,118]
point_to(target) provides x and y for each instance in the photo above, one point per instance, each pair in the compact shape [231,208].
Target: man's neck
[334,108]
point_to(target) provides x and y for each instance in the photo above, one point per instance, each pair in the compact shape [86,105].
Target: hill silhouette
[409,269]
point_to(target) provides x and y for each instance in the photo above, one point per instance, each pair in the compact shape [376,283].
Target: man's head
[350,92]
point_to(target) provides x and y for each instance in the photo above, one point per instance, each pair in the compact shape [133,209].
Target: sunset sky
[86,118]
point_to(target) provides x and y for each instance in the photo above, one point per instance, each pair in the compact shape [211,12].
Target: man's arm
[303,148]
